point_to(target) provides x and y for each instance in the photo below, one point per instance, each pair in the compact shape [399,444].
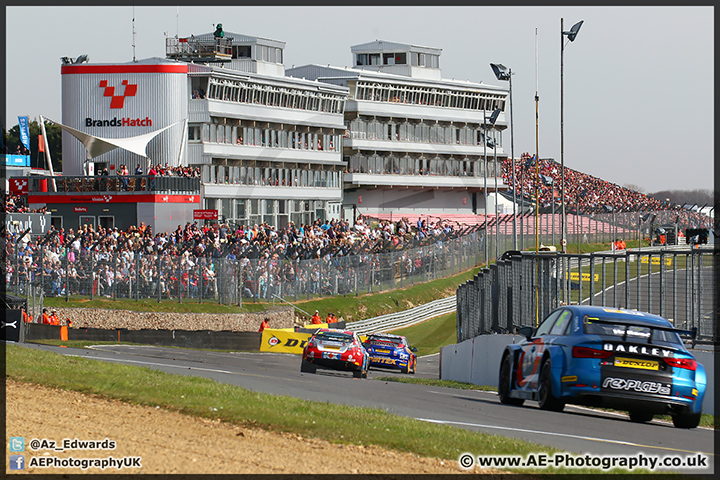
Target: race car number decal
[640,386]
[636,363]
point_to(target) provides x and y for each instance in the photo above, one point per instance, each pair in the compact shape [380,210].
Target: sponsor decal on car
[331,356]
[636,363]
[569,378]
[384,360]
[637,349]
[640,386]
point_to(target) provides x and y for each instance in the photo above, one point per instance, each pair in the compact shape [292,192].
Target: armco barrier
[406,318]
[477,361]
[210,339]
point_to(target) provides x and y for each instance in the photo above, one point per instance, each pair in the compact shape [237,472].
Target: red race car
[336,350]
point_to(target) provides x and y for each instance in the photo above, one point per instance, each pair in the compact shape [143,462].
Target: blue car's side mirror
[527,332]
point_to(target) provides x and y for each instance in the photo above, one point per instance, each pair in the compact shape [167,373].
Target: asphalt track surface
[577,430]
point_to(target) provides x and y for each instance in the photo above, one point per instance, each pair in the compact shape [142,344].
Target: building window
[194,133]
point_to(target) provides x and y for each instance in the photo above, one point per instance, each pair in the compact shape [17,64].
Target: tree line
[11,140]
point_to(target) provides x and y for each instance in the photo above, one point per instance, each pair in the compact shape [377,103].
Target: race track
[578,430]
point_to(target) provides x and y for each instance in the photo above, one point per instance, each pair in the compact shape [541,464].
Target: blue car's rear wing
[684,333]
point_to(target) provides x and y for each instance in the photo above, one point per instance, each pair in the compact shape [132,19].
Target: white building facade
[414,141]
[268,146]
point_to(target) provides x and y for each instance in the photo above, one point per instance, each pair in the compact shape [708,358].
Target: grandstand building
[414,141]
[268,145]
[388,136]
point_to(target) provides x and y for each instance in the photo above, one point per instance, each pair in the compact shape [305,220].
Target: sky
[638,81]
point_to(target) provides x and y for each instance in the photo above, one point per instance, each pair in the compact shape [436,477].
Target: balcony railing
[113,183]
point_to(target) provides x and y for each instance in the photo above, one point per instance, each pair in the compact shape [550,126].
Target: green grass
[148,305]
[202,397]
[349,307]
[430,335]
[438,383]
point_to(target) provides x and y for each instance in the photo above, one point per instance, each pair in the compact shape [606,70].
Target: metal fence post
[159,276]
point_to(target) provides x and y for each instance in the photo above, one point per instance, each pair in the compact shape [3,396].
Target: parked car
[337,350]
[609,357]
[391,351]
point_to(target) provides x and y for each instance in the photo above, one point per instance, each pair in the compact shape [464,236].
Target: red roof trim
[90,69]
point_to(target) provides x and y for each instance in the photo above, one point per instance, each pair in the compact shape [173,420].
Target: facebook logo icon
[17,462]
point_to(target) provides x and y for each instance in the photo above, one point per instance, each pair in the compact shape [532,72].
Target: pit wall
[477,361]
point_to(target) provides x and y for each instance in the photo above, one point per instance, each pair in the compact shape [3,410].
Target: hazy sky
[639,97]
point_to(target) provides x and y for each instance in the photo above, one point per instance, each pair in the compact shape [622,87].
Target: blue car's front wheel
[505,382]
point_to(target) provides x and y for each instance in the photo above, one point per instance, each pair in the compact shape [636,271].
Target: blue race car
[609,357]
[391,351]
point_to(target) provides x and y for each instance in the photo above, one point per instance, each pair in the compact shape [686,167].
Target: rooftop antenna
[133,27]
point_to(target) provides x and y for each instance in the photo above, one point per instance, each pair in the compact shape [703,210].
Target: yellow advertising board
[283,341]
[656,261]
[585,276]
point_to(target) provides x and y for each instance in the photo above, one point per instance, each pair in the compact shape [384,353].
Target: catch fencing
[138,275]
[522,288]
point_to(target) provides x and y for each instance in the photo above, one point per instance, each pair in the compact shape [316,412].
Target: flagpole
[48,158]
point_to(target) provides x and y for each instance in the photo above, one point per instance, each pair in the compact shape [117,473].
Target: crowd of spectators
[18,204]
[582,191]
[587,194]
[183,262]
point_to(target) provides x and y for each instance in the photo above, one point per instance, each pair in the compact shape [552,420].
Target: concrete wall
[477,361]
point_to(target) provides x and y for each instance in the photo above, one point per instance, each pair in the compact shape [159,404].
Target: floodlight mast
[503,73]
[571,34]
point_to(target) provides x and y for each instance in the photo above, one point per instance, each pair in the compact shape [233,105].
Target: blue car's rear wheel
[546,399]
[686,420]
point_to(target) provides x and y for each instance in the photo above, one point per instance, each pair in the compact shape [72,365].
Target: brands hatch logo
[118,101]
[272,341]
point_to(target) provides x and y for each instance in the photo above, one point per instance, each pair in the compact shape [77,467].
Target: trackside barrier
[221,340]
[283,341]
[407,318]
[522,288]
